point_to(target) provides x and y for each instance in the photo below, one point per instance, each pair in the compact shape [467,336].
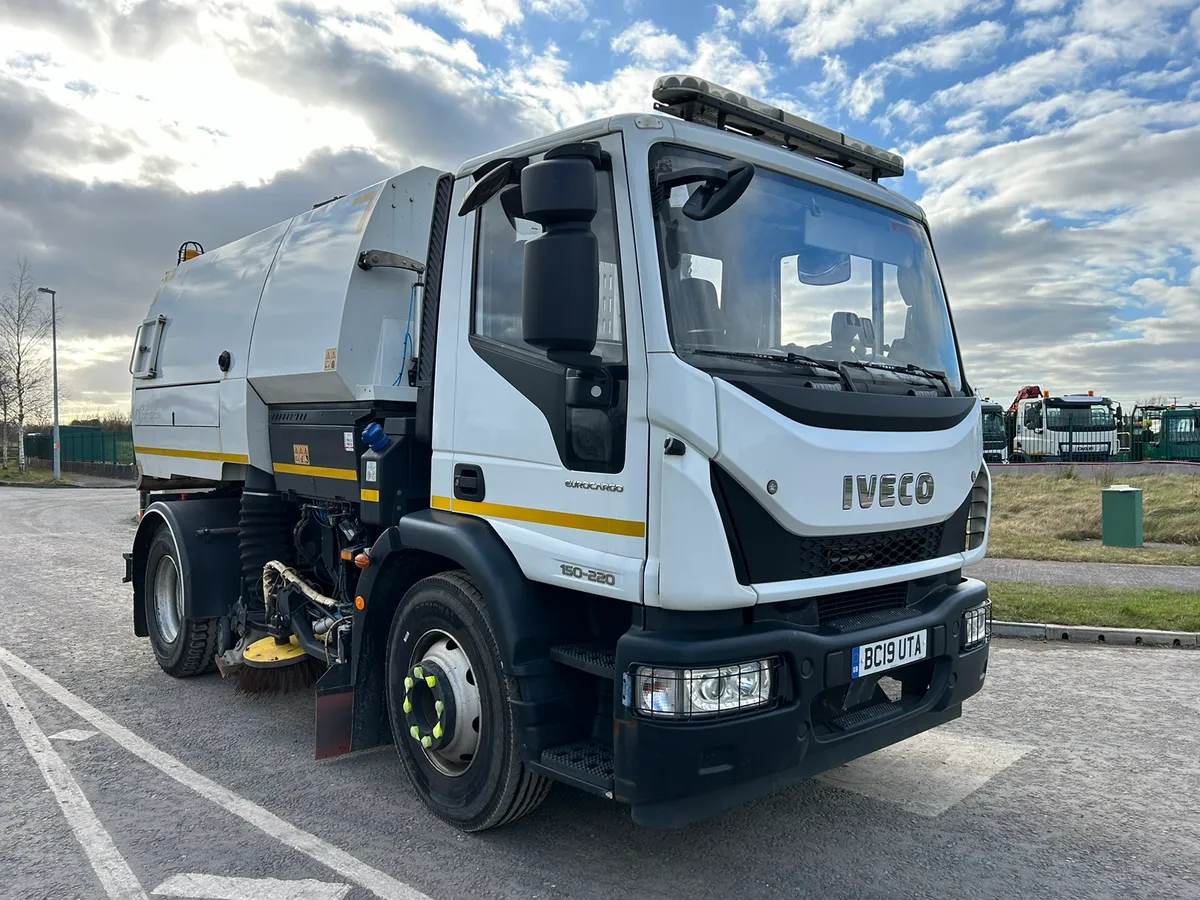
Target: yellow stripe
[194,454]
[317,471]
[369,496]
[542,517]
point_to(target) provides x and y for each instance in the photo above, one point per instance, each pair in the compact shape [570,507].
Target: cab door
[558,470]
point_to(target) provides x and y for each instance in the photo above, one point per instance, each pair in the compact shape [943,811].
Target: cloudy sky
[1055,144]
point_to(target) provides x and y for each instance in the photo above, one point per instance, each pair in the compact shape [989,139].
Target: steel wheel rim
[447,651]
[168,599]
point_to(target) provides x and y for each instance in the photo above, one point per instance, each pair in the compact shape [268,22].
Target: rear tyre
[183,647]
[1018,457]
[463,758]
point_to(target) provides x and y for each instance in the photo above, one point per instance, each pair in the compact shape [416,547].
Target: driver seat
[698,311]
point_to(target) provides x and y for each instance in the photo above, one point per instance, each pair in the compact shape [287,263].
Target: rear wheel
[183,647]
[449,703]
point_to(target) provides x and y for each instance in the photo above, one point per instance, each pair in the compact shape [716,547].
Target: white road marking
[928,773]
[379,883]
[115,876]
[197,886]
[74,734]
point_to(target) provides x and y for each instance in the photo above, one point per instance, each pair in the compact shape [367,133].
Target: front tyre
[183,647]
[449,705]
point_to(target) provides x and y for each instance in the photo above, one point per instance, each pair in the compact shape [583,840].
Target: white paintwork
[695,569]
[349,867]
[317,298]
[496,428]
[277,301]
[759,445]
[200,886]
[111,869]
[74,735]
[683,402]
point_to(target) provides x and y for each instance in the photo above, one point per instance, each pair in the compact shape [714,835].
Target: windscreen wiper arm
[911,368]
[826,364]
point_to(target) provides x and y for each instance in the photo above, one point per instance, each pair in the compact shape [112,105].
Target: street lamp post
[54,365]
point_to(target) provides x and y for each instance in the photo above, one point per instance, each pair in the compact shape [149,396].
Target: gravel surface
[1124,575]
[1072,774]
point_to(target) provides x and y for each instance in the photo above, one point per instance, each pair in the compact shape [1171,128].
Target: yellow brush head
[267,654]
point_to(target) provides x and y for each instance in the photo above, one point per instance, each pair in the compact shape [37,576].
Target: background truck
[1069,428]
[995,432]
[1160,432]
[637,457]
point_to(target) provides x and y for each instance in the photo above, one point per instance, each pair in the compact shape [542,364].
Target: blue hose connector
[374,437]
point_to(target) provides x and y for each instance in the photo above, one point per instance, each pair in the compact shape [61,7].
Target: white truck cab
[1068,428]
[651,438]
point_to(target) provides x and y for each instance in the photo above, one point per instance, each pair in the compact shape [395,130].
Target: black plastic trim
[764,551]
[861,410]
[209,558]
[431,298]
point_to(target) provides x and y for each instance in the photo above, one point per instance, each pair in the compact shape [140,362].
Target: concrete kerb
[1103,637]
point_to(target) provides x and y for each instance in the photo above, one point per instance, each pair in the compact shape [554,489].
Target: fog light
[693,693]
[977,624]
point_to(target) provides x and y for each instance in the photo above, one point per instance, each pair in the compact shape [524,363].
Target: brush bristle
[256,681]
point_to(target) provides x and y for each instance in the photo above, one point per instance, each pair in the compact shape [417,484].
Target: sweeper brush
[276,666]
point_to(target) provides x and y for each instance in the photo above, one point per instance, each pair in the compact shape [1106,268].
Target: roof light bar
[697,100]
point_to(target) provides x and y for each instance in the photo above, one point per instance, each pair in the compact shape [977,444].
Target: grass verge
[1054,517]
[1160,609]
[29,476]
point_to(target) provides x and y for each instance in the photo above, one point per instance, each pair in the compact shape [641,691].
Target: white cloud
[646,42]
[819,26]
[948,51]
[560,9]
[1038,6]
[1041,31]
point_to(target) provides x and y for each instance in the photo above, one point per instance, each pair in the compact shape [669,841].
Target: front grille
[856,603]
[847,553]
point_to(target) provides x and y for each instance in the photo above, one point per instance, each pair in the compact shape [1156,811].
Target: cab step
[584,764]
[587,658]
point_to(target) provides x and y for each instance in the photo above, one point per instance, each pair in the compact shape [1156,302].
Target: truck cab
[995,433]
[651,438]
[1069,428]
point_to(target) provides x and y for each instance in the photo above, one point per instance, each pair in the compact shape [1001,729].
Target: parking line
[106,860]
[379,883]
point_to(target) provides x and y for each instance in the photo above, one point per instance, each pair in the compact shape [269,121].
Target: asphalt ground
[1122,575]
[1072,774]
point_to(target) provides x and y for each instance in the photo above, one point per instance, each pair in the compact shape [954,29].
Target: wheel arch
[204,532]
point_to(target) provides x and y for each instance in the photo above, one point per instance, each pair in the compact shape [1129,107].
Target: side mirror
[720,187]
[560,292]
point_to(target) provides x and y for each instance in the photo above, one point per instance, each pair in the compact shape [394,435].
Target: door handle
[468,482]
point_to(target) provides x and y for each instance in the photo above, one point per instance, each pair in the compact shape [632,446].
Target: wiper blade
[910,369]
[828,365]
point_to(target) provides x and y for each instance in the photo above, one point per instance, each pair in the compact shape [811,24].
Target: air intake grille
[845,553]
[855,603]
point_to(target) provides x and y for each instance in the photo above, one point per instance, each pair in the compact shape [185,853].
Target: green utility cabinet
[1121,516]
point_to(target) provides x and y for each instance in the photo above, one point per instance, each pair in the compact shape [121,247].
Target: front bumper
[675,772]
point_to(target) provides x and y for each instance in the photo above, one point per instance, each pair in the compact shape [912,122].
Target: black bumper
[675,772]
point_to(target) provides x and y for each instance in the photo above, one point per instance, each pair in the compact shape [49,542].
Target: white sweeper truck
[638,457]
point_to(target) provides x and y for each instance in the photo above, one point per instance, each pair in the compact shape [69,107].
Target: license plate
[889,653]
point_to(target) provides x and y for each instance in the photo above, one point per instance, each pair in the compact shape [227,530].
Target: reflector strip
[237,458]
[623,527]
[317,471]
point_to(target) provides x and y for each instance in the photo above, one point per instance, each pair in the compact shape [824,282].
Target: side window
[1033,416]
[500,260]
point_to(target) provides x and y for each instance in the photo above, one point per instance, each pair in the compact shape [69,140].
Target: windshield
[1080,418]
[793,266]
[993,426]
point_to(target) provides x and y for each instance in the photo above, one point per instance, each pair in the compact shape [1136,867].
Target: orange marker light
[347,555]
[360,603]
[362,560]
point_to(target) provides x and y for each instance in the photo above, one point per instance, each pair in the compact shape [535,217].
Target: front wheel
[183,647]
[449,705]
[1018,457]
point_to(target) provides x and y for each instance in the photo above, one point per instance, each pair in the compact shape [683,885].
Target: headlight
[977,624]
[698,693]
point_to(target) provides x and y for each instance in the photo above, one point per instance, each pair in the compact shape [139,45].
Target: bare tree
[6,402]
[24,326]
